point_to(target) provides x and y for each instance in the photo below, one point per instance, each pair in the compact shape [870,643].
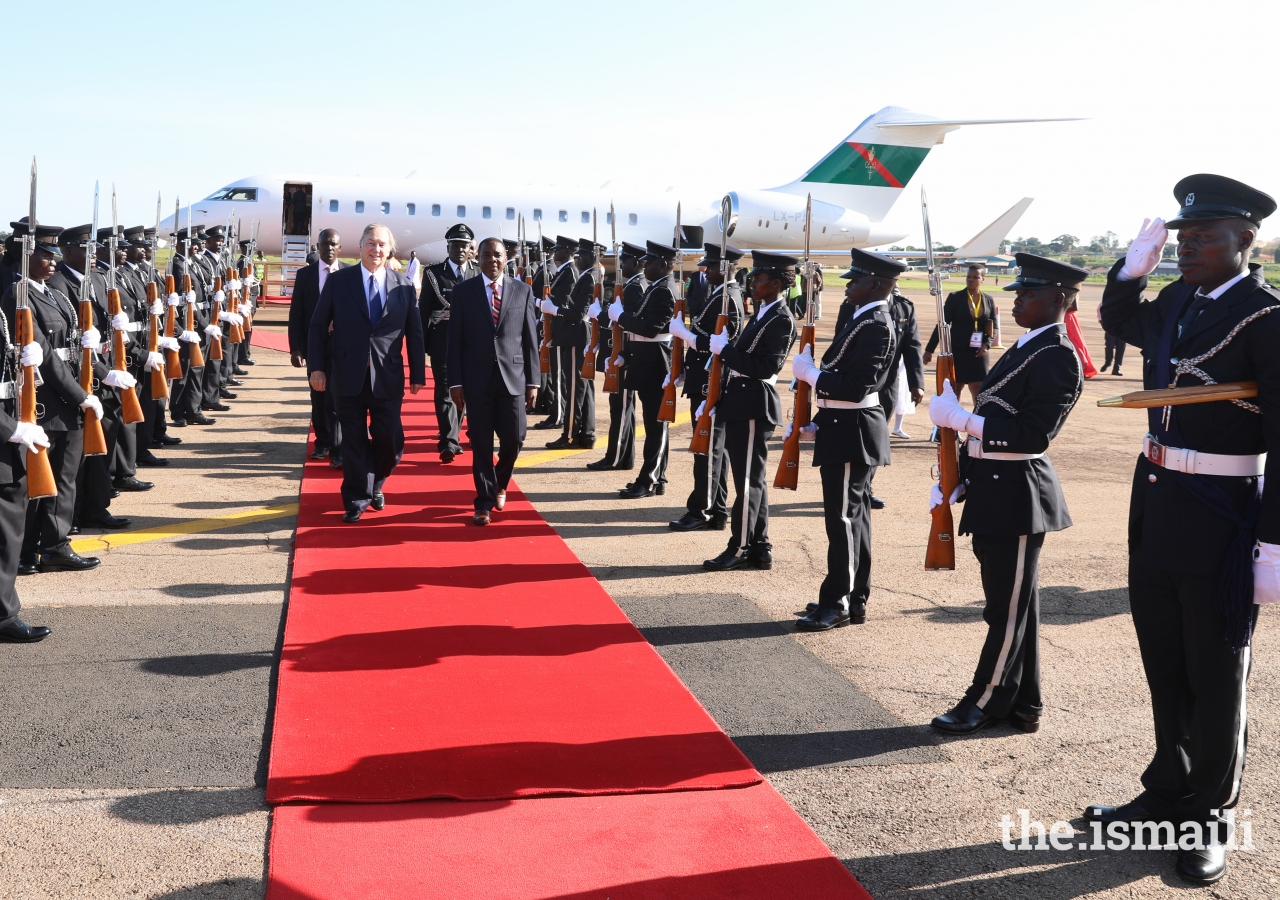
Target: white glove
[1144,253]
[120,380]
[234,284]
[678,329]
[809,432]
[225,316]
[548,308]
[92,403]
[220,297]
[190,297]
[666,381]
[120,321]
[246,309]
[719,342]
[697,413]
[91,340]
[213,331]
[175,300]
[32,355]
[155,361]
[594,309]
[935,495]
[1266,572]
[157,308]
[190,337]
[236,319]
[945,411]
[803,368]
[31,434]
[615,310]
[167,343]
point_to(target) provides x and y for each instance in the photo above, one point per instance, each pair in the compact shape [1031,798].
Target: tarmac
[133,765]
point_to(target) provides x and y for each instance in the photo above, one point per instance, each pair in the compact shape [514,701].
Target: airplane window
[564,215]
[462,212]
[411,209]
[235,193]
[359,206]
[511,212]
[333,206]
[632,219]
[608,218]
[435,209]
[586,217]
[486,212]
[386,208]
[537,215]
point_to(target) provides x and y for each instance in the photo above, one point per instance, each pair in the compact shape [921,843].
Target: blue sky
[179,99]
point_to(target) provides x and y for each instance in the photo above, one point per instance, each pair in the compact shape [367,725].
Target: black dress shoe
[448,456]
[28,565]
[74,529]
[585,443]
[688,522]
[1203,866]
[213,407]
[149,460]
[660,488]
[824,618]
[19,632]
[203,420]
[635,491]
[236,381]
[560,443]
[106,520]
[379,501]
[352,515]
[548,423]
[69,560]
[481,517]
[1120,374]
[226,394]
[239,371]
[1028,722]
[335,461]
[320,453]
[965,718]
[760,559]
[164,440]
[727,560]
[600,465]
[875,502]
[177,423]
[857,614]
[1133,811]
[717,524]
[131,484]
[246,361]
[115,492]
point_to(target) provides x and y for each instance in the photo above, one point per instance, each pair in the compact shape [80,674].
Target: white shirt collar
[79,275]
[488,282]
[764,309]
[1224,287]
[380,276]
[38,285]
[458,269]
[327,267]
[563,264]
[866,306]
[1033,332]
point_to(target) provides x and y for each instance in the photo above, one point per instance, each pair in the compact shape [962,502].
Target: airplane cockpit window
[333,206]
[511,212]
[235,193]
[435,209]
[564,215]
[632,219]
[586,217]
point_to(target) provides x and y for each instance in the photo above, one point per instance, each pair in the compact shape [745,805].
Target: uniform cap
[77,234]
[460,232]
[510,245]
[712,254]
[588,247]
[565,243]
[635,251]
[658,251]
[864,263]
[46,238]
[1039,271]
[548,245]
[104,234]
[771,262]
[216,231]
[1205,197]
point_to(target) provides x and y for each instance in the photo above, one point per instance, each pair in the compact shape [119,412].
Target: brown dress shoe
[482,518]
[501,501]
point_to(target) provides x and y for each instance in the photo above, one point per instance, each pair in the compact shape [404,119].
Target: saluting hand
[1143,255]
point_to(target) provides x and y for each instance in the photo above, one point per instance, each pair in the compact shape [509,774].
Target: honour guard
[569,336]
[437,286]
[185,392]
[906,371]
[1204,531]
[971,315]
[1011,491]
[621,452]
[851,437]
[207,257]
[647,363]
[132,321]
[708,503]
[751,409]
[249,296]
[550,399]
[137,272]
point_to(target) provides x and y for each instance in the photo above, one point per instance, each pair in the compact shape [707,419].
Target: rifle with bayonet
[612,369]
[215,308]
[172,361]
[235,330]
[788,476]
[159,384]
[130,408]
[95,440]
[941,551]
[40,481]
[544,349]
[667,411]
[589,358]
[194,354]
[701,442]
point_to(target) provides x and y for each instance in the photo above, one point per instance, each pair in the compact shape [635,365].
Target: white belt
[8,390]
[867,402]
[771,380]
[202,306]
[660,339]
[1196,463]
[62,353]
[976,452]
[133,326]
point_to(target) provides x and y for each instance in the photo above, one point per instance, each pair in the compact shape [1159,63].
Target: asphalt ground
[134,762]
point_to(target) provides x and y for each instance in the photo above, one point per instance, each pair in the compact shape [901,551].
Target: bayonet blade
[31,214]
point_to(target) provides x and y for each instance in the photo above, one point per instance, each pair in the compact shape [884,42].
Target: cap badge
[1190,201]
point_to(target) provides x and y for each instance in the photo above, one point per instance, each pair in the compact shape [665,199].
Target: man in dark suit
[438,282]
[374,314]
[307,286]
[493,364]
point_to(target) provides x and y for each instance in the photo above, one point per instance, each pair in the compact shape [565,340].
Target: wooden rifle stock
[215,348]
[544,351]
[130,408]
[613,371]
[788,476]
[194,353]
[40,481]
[941,552]
[95,441]
[701,442]
[159,384]
[246,272]
[667,412]
[172,362]
[1181,396]
[589,358]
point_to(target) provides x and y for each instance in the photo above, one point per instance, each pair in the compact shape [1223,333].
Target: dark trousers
[583,394]
[244,346]
[211,383]
[495,414]
[1197,695]
[1008,673]
[747,446]
[448,416]
[93,483]
[653,469]
[124,458]
[152,411]
[552,390]
[1114,348]
[710,495]
[621,452]
[13,511]
[48,521]
[846,492]
[185,393]
[372,443]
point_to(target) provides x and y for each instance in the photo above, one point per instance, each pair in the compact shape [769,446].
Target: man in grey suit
[374,314]
[493,367]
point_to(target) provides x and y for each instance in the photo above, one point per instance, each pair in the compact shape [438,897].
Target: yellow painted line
[98,543]
[544,456]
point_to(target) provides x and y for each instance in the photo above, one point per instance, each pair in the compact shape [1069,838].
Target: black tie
[1201,301]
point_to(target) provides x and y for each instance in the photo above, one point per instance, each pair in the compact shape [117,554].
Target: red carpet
[702,846]
[272,340]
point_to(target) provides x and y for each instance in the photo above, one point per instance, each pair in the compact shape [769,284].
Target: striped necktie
[497,302]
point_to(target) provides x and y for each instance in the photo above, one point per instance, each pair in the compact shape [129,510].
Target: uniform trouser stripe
[744,537]
[1243,731]
[846,515]
[1010,627]
[654,468]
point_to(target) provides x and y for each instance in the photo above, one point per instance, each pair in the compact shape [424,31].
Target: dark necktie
[1190,315]
[497,303]
[375,301]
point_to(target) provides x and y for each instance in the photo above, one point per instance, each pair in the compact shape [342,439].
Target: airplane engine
[772,219]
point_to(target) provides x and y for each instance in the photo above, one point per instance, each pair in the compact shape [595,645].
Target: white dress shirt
[1033,332]
[489,283]
[379,277]
[1224,287]
[457,270]
[768,306]
[325,269]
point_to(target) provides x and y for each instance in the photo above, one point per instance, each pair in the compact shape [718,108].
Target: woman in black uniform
[971,315]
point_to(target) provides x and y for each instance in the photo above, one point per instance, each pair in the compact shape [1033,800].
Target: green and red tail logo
[876,165]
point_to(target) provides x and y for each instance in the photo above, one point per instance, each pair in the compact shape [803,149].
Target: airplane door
[297,210]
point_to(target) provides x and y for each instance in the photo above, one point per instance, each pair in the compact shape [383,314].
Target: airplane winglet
[987,241]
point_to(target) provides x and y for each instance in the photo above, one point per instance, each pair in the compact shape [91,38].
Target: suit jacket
[357,346]
[648,362]
[703,324]
[65,282]
[753,363]
[477,348]
[438,282]
[1016,497]
[302,306]
[857,363]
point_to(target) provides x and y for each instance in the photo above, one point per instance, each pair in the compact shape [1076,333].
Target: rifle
[1181,396]
[130,408]
[667,411]
[194,353]
[235,331]
[172,361]
[544,350]
[788,476]
[95,441]
[248,276]
[40,482]
[589,358]
[701,442]
[159,384]
[941,552]
[613,371]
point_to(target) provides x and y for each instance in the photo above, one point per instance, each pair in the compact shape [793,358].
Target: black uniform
[621,451]
[569,335]
[437,286]
[133,303]
[648,365]
[94,483]
[550,402]
[958,312]
[907,351]
[215,371]
[185,393]
[13,474]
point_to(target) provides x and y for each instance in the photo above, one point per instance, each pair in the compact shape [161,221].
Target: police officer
[131,321]
[1200,517]
[160,436]
[250,296]
[751,409]
[137,271]
[1011,491]
[550,391]
[212,390]
[850,434]
[647,363]
[621,452]
[185,393]
[708,503]
[567,307]
[437,286]
[907,353]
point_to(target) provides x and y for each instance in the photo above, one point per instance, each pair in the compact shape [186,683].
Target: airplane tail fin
[987,241]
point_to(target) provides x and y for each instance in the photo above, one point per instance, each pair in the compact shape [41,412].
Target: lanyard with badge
[975,306]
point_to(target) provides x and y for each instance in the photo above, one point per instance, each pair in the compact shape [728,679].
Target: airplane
[853,188]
